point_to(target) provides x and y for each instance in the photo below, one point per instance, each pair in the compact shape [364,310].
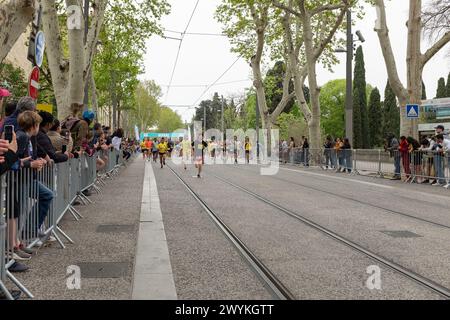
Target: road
[406,226]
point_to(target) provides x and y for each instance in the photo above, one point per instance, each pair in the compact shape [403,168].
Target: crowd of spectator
[33,140]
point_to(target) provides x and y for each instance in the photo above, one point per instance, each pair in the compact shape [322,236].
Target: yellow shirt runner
[162,148]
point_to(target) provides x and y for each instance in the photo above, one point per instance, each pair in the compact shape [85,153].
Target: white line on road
[153,277]
[340,178]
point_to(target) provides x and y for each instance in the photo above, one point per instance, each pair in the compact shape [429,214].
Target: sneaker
[447,186]
[14,293]
[28,250]
[18,267]
[22,254]
[12,255]
[437,184]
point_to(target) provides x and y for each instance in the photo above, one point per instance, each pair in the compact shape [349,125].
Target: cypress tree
[448,85]
[360,120]
[391,113]
[424,91]
[375,119]
[441,89]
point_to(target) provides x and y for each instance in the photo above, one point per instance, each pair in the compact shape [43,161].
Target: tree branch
[328,7]
[435,48]
[286,8]
[93,34]
[388,54]
[331,34]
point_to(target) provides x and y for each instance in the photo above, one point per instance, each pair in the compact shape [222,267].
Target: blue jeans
[397,160]
[45,197]
[439,166]
[348,160]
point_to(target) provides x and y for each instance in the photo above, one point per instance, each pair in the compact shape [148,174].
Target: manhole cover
[402,234]
[103,269]
[115,228]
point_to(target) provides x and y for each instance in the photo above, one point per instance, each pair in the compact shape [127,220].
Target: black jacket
[23,142]
[10,159]
[45,148]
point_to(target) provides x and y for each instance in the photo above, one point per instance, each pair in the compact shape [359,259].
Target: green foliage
[291,126]
[360,116]
[424,91]
[375,119]
[441,89]
[391,113]
[146,110]
[169,120]
[14,80]
[448,85]
[332,103]
[118,63]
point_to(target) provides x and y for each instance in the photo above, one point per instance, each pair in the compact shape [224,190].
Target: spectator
[3,95]
[117,142]
[58,139]
[285,150]
[8,154]
[438,150]
[347,150]
[44,142]
[392,145]
[24,104]
[10,108]
[425,149]
[404,153]
[305,149]
[415,158]
[79,128]
[440,129]
[340,155]
[329,153]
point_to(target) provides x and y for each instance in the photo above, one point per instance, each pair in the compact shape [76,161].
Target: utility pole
[222,120]
[257,129]
[349,90]
[86,28]
[204,119]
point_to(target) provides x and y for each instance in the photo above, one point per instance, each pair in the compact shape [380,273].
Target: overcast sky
[203,59]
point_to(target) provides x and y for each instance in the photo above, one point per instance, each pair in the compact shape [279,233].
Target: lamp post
[86,28]
[349,75]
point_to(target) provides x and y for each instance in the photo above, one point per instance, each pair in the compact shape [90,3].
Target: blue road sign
[412,111]
[39,49]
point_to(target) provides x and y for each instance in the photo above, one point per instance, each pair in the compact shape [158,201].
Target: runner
[248,148]
[144,148]
[148,147]
[199,146]
[162,149]
[185,152]
[155,150]
[235,149]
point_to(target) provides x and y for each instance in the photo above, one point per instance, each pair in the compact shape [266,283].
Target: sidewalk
[107,234]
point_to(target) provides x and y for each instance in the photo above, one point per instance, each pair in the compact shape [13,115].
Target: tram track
[341,196]
[269,280]
[417,278]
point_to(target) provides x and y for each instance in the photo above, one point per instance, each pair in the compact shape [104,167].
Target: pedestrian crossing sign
[412,111]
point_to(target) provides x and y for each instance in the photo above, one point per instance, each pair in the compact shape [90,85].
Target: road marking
[153,276]
[401,190]
[340,178]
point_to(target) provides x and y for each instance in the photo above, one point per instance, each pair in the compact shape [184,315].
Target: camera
[360,36]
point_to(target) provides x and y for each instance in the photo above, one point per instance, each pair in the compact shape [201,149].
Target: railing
[416,166]
[24,194]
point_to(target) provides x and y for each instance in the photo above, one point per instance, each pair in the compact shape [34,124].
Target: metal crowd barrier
[19,205]
[416,166]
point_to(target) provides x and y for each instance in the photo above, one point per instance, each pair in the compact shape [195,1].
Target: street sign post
[39,49]
[412,111]
[33,83]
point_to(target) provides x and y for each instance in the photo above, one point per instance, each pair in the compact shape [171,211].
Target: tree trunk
[15,16]
[77,58]
[414,68]
[59,67]
[94,99]
[314,122]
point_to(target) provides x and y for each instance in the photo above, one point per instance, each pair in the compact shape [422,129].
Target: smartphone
[9,133]
[64,148]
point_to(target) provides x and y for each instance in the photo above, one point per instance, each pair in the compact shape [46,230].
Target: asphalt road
[311,264]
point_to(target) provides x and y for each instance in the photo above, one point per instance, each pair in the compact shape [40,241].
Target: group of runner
[195,150]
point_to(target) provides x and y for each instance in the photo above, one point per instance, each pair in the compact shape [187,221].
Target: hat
[4,93]
[440,127]
[88,115]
